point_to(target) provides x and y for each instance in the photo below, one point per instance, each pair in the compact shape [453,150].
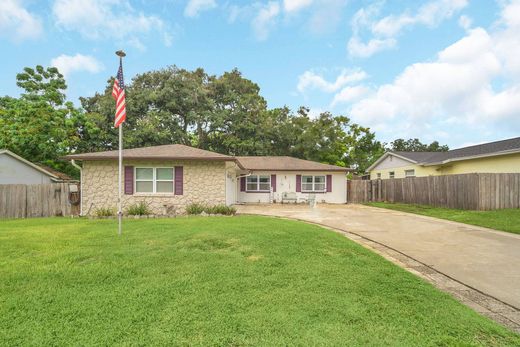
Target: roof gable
[47,171]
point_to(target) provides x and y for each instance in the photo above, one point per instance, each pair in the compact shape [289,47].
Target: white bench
[289,197]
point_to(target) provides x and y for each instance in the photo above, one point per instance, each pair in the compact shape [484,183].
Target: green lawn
[216,281]
[505,220]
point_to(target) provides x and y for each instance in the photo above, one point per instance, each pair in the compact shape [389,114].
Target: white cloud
[264,21]
[472,84]
[361,49]
[68,64]
[349,94]
[98,19]
[17,23]
[385,30]
[311,80]
[194,7]
[465,22]
[296,5]
[327,15]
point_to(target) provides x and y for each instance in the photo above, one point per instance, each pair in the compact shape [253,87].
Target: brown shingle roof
[285,164]
[60,175]
[185,152]
[156,152]
[485,149]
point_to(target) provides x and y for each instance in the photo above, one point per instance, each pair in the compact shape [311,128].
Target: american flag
[118,92]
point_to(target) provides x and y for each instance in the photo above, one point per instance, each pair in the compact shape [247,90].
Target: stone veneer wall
[204,182]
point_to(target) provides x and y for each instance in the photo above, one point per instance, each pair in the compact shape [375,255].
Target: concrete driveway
[484,259]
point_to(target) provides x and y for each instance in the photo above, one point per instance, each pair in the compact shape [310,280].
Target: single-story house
[17,170]
[493,157]
[170,177]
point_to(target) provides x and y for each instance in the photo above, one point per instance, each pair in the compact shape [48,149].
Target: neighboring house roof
[416,157]
[53,174]
[60,175]
[489,149]
[155,152]
[284,163]
[502,147]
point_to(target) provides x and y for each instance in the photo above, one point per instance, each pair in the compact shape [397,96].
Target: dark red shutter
[129,180]
[242,184]
[329,183]
[298,183]
[273,182]
[179,178]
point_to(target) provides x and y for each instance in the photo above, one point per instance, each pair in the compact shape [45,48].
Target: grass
[505,220]
[242,281]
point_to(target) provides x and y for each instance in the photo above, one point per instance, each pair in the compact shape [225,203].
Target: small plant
[105,212]
[195,208]
[221,209]
[139,209]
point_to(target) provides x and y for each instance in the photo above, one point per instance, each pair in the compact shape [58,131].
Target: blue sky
[446,70]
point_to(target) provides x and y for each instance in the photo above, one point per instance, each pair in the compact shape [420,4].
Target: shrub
[105,212]
[139,209]
[195,208]
[221,209]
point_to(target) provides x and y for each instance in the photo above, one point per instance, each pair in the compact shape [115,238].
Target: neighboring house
[494,157]
[170,177]
[17,170]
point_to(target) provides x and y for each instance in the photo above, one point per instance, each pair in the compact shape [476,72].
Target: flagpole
[120,211]
[120,54]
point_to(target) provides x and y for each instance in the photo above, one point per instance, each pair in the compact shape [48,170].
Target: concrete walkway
[487,260]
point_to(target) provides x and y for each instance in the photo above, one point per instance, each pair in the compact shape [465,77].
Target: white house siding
[13,171]
[286,182]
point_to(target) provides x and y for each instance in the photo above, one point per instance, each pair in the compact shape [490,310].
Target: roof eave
[89,158]
[487,155]
[302,170]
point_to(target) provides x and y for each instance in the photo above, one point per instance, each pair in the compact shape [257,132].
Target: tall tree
[40,125]
[415,145]
[223,113]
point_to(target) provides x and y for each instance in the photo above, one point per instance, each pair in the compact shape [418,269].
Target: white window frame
[391,174]
[257,190]
[314,184]
[407,171]
[378,175]
[154,179]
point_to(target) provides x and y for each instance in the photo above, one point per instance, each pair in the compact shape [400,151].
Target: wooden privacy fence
[36,200]
[479,191]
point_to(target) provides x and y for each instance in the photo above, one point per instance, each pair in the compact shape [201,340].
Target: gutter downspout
[80,186]
[238,180]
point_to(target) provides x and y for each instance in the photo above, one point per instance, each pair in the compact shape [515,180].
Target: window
[258,183]
[378,175]
[313,183]
[154,180]
[391,174]
[409,173]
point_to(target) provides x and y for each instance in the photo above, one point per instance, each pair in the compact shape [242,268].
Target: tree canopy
[225,113]
[415,145]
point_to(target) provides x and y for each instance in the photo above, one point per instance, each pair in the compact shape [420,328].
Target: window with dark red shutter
[179,180]
[129,180]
